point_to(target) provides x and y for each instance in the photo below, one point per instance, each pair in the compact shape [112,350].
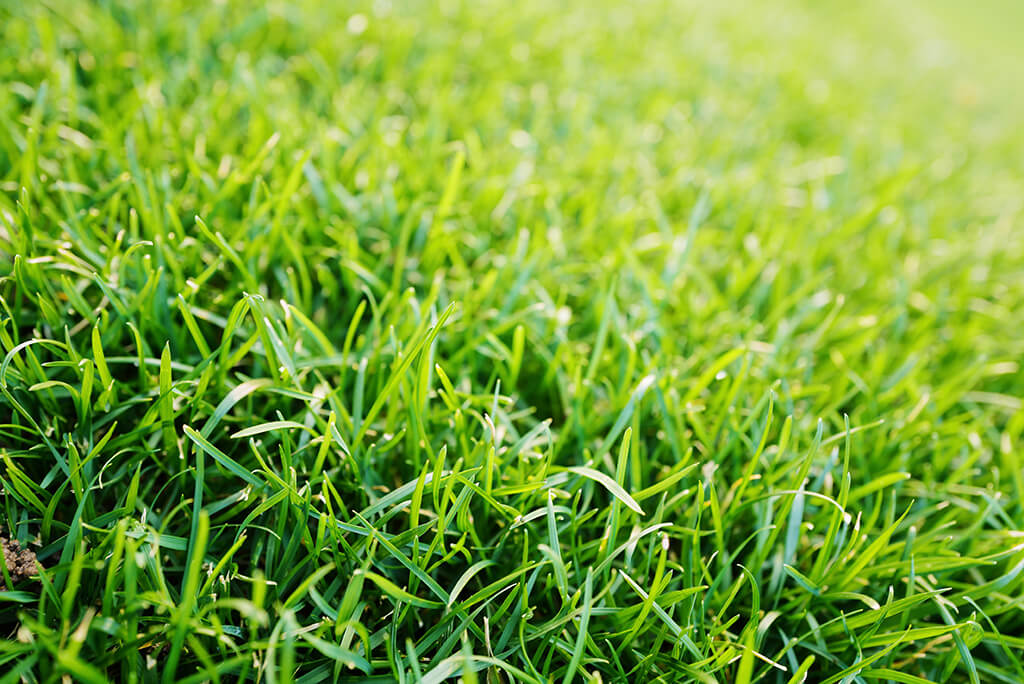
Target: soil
[21,563]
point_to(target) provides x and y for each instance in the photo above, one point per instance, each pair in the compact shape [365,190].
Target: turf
[411,341]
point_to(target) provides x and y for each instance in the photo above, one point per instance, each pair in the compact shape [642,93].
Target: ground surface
[660,342]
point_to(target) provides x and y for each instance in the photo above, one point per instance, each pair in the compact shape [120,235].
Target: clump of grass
[407,343]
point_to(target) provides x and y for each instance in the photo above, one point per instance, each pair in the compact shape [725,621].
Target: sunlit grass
[654,342]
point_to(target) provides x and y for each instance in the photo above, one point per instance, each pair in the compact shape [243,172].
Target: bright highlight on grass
[510,343]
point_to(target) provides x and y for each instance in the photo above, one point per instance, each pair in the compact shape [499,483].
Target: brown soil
[20,562]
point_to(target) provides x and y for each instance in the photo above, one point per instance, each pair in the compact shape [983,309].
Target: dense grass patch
[607,343]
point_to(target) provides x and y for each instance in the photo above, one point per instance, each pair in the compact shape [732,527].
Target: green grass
[622,343]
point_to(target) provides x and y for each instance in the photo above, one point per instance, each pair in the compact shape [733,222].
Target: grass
[403,342]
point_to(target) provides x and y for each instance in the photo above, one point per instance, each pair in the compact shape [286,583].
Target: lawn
[533,342]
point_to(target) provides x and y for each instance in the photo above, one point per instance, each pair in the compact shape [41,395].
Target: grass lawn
[413,341]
